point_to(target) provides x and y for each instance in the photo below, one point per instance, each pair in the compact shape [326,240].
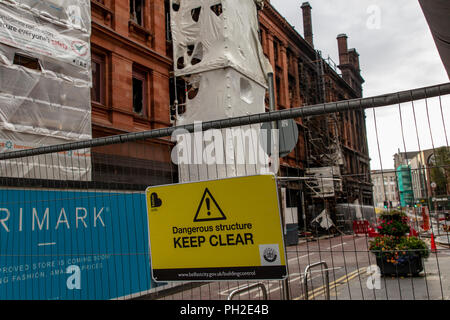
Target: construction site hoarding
[45,81]
[63,245]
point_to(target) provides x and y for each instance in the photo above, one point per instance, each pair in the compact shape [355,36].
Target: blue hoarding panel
[73,245]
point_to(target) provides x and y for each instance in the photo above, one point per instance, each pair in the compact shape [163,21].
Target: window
[98,79]
[27,62]
[139,92]
[137,11]
[278,88]
[168,27]
[275,50]
[217,9]
[195,13]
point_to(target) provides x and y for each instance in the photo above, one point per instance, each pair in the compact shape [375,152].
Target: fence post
[327,278]
[272,108]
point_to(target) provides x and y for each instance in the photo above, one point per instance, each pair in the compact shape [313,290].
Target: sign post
[227,229]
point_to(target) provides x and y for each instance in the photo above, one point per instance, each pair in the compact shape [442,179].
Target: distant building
[420,175]
[403,157]
[404,185]
[419,165]
[385,191]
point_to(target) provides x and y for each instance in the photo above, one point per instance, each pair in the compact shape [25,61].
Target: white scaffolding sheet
[45,83]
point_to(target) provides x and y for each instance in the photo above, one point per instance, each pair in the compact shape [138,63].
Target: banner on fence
[72,245]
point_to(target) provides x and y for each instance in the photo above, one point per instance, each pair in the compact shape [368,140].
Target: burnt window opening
[190,49]
[180,63]
[195,13]
[191,90]
[168,27]
[217,9]
[198,54]
[181,109]
[137,11]
[177,93]
[176,5]
[27,62]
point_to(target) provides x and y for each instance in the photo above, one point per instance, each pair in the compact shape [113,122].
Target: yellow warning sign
[226,229]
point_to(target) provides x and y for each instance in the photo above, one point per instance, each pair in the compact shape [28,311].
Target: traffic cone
[433,244]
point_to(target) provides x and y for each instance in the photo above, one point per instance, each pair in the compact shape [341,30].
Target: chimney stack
[354,58]
[349,65]
[343,49]
[307,23]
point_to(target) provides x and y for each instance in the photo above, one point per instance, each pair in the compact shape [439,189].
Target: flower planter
[407,265]
[398,254]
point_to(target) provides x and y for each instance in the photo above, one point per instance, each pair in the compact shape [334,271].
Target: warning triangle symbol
[208,209]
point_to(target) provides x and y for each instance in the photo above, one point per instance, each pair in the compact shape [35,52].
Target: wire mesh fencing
[73,217]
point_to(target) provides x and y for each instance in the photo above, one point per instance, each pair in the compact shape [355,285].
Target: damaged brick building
[133,91]
[303,77]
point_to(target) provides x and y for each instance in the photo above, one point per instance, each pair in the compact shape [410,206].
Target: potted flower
[394,223]
[397,253]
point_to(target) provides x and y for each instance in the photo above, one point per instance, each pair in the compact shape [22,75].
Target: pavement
[432,284]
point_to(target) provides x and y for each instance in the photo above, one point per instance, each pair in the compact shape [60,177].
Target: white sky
[397,52]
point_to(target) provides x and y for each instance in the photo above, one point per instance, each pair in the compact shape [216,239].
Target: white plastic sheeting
[73,13]
[60,48]
[212,34]
[48,103]
[222,93]
[225,93]
[324,182]
[218,53]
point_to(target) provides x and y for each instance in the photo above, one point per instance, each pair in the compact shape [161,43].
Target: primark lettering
[35,219]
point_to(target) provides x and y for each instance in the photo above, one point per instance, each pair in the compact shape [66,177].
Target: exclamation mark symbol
[208,206]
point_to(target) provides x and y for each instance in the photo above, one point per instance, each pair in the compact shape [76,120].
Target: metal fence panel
[86,236]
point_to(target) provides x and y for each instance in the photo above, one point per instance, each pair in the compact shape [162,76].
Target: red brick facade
[125,46]
[124,50]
